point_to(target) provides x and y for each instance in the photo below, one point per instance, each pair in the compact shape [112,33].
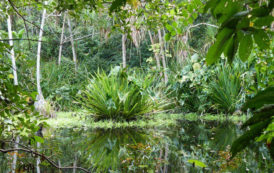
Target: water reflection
[191,146]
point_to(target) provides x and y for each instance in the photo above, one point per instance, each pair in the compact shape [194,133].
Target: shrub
[116,96]
[226,91]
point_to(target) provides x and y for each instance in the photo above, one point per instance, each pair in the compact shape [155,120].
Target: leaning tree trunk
[40,98]
[40,101]
[72,45]
[61,40]
[124,37]
[162,55]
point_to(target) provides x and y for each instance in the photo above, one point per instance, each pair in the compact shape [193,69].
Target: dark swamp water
[190,146]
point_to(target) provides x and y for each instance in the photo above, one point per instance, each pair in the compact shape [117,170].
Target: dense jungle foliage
[126,62]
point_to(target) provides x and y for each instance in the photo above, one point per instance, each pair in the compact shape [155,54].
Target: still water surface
[191,146]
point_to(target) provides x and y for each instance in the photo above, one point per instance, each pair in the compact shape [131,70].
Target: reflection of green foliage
[108,148]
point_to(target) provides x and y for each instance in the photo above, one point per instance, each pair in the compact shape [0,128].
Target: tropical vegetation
[136,86]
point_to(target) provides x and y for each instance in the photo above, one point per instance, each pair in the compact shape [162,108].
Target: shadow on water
[191,146]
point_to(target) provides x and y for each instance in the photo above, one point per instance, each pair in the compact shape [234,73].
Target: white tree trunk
[13,166]
[124,37]
[38,75]
[61,40]
[12,51]
[72,44]
[38,161]
[162,55]
[14,160]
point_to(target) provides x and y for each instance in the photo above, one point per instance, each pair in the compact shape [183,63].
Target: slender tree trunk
[61,40]
[12,51]
[14,160]
[38,75]
[75,163]
[162,55]
[72,45]
[59,164]
[124,37]
[155,54]
[40,102]
[38,161]
[15,80]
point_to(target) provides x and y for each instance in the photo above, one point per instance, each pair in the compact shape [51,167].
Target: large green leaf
[261,99]
[243,141]
[197,163]
[261,39]
[231,48]
[246,45]
[217,48]
[264,21]
[261,115]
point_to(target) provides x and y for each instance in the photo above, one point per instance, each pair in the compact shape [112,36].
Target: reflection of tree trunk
[162,53]
[61,40]
[13,167]
[72,45]
[40,98]
[124,37]
[12,51]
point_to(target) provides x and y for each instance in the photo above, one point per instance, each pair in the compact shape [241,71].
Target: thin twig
[24,19]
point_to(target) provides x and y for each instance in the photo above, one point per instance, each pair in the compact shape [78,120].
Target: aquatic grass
[81,120]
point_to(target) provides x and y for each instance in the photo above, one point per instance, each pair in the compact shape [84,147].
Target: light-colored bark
[155,54]
[14,159]
[124,37]
[15,80]
[38,161]
[59,164]
[61,40]
[38,75]
[40,102]
[12,51]
[72,44]
[75,163]
[162,53]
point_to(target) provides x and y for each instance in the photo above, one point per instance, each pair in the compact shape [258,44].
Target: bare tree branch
[42,156]
[80,38]
[193,26]
[19,39]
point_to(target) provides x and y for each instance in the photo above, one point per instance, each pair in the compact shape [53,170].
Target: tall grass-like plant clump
[116,97]
[226,90]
